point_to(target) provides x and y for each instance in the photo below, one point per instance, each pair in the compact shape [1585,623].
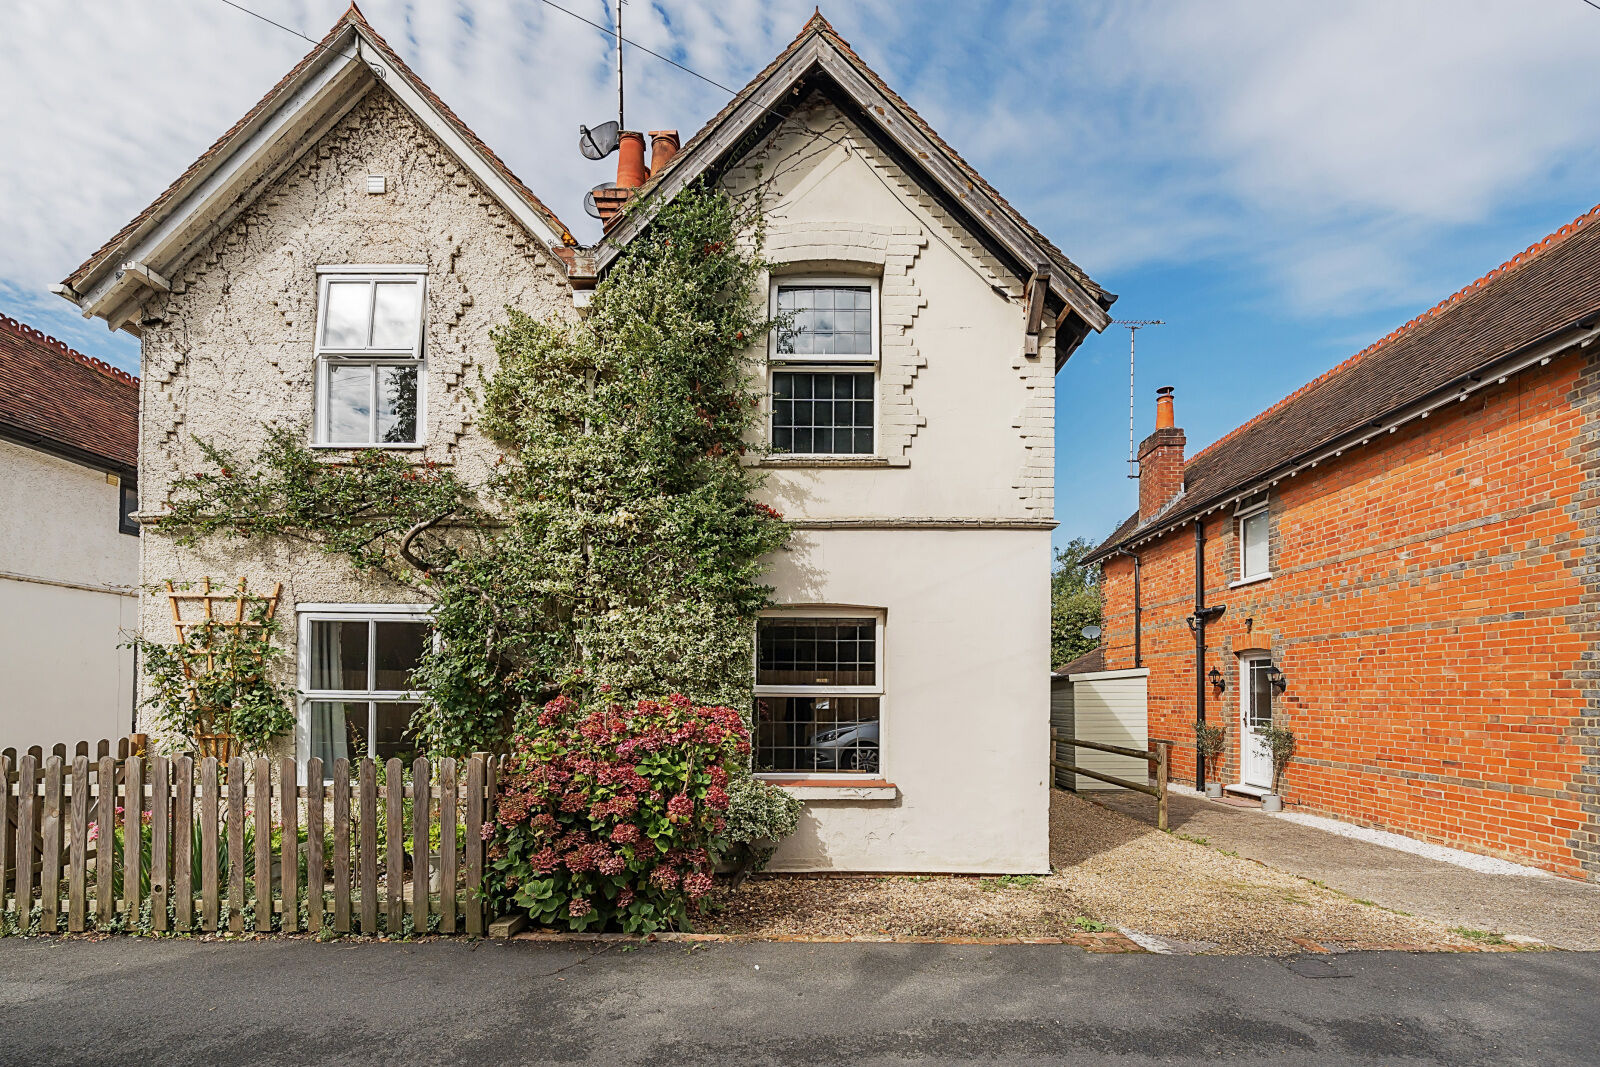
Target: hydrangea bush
[615,815]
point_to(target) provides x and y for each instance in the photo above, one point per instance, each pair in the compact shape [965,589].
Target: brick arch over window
[894,251]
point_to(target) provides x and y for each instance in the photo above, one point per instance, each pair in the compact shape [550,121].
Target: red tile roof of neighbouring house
[1091,662]
[63,401]
[1552,286]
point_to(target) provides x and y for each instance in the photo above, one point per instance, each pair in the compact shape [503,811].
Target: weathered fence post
[210,904]
[289,851]
[263,829]
[160,840]
[132,839]
[78,875]
[50,831]
[236,793]
[421,823]
[394,844]
[183,845]
[369,846]
[475,789]
[341,846]
[316,883]
[105,846]
[1162,770]
[447,845]
[27,815]
[7,759]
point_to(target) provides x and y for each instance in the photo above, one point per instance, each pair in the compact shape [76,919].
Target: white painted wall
[66,579]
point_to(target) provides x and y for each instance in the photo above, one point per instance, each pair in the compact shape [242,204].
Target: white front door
[1255,710]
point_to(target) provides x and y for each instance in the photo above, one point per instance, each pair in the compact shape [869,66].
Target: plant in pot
[1212,742]
[1280,742]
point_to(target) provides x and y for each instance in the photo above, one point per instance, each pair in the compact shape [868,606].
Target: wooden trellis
[211,743]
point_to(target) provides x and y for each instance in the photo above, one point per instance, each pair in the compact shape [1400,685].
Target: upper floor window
[819,688]
[1255,553]
[825,367]
[369,356]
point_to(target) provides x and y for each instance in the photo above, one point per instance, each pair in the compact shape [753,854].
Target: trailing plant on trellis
[212,689]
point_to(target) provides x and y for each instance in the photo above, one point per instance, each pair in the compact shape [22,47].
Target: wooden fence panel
[27,815]
[341,846]
[447,846]
[183,844]
[209,816]
[289,850]
[316,882]
[394,844]
[46,847]
[8,834]
[132,838]
[474,843]
[236,795]
[50,832]
[421,824]
[105,846]
[78,874]
[369,847]
[263,831]
[160,839]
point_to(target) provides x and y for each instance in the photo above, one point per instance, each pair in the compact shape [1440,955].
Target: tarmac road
[136,1001]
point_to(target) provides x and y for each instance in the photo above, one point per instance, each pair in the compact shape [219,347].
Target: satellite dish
[1090,632]
[589,205]
[599,142]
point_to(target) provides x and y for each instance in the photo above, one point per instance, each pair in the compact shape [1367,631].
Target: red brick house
[1400,562]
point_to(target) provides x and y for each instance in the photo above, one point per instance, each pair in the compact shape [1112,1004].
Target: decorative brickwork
[1433,606]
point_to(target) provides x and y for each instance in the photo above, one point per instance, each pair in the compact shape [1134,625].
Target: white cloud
[1326,146]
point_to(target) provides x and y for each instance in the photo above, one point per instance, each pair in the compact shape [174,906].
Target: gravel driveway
[1109,868]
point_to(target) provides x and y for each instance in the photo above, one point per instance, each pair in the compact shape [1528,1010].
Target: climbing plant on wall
[614,554]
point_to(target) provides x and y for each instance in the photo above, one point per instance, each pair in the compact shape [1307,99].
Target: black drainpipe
[1197,623]
[1138,611]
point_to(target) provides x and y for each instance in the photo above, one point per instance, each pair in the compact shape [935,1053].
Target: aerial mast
[1134,326]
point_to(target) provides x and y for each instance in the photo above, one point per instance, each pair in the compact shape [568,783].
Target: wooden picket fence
[242,845]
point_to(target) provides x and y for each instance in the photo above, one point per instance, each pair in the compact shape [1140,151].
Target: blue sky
[1281,182]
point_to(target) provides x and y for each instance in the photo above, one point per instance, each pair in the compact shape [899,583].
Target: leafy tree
[1074,601]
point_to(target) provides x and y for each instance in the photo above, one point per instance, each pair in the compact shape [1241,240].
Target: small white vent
[377,184]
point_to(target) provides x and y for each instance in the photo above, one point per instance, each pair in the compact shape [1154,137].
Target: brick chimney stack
[1160,460]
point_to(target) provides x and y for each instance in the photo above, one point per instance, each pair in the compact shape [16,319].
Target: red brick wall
[1434,610]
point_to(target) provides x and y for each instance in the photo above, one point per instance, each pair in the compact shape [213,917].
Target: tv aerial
[1133,326]
[601,141]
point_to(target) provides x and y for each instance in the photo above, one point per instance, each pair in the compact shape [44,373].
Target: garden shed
[1094,704]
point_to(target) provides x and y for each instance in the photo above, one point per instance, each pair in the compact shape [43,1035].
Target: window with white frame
[369,356]
[1255,554]
[825,366]
[355,681]
[819,693]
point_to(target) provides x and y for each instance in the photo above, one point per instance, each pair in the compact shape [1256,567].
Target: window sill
[847,462]
[1267,577]
[836,788]
[370,448]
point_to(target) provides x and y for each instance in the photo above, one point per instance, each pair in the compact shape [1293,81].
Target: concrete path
[1557,911]
[135,1001]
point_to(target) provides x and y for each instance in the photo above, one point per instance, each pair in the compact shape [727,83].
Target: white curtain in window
[1255,544]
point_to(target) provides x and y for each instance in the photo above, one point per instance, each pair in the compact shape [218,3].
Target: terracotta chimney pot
[1164,417]
[631,171]
[663,146]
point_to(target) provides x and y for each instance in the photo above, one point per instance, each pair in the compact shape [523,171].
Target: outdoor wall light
[1218,681]
[1279,680]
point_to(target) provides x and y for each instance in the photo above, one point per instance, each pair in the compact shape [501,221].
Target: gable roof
[1529,308]
[315,94]
[1091,662]
[819,51]
[62,401]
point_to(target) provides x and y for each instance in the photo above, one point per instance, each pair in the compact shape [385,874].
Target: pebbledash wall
[945,532]
[230,350]
[1434,605]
